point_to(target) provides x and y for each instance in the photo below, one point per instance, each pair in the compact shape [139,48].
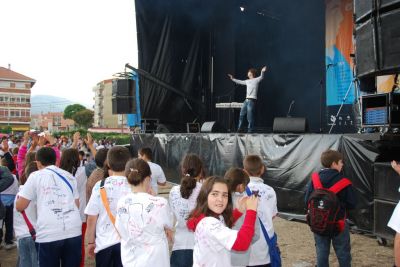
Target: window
[20,85]
[4,84]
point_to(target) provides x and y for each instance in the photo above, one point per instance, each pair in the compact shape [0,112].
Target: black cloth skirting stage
[290,160]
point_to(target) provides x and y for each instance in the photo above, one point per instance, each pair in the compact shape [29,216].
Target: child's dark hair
[191,167]
[31,167]
[46,156]
[136,171]
[330,156]
[70,160]
[235,177]
[117,157]
[253,164]
[146,151]
[202,201]
[100,157]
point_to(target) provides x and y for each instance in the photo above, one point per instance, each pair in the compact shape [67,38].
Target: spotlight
[241,8]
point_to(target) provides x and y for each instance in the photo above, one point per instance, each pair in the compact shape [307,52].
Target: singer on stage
[249,104]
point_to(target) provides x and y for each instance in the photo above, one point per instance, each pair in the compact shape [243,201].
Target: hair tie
[133,170]
[187,174]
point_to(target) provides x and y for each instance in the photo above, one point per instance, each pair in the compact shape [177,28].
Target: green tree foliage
[84,118]
[70,110]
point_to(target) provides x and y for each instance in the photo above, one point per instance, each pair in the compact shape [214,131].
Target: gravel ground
[297,247]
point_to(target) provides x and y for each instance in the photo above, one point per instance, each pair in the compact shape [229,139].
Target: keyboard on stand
[231,108]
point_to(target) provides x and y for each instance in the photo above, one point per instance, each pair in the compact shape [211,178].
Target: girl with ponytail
[142,220]
[182,199]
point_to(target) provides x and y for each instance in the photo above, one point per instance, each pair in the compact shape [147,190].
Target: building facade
[15,100]
[103,117]
[52,122]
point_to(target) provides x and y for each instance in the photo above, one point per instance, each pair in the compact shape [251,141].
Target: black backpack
[323,207]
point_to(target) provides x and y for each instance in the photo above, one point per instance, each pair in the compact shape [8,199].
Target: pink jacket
[22,154]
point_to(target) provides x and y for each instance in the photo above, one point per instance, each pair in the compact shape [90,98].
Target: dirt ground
[297,246]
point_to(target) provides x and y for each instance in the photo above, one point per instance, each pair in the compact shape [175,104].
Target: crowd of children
[110,203]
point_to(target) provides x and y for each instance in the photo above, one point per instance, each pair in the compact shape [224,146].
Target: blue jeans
[182,258]
[341,244]
[247,109]
[66,251]
[27,253]
[8,221]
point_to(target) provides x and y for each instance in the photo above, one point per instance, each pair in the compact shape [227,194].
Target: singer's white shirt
[251,85]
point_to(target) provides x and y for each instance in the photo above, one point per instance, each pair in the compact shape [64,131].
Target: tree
[70,110]
[84,118]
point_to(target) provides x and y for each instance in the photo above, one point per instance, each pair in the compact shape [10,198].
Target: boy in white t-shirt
[58,226]
[266,211]
[157,174]
[103,239]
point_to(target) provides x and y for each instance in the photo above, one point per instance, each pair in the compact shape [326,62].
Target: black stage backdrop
[290,160]
[193,44]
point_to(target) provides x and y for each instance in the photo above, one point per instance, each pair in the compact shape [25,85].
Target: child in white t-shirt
[27,255]
[182,200]
[211,221]
[142,220]
[267,208]
[103,239]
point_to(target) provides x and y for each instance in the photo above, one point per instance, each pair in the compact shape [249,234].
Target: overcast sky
[67,46]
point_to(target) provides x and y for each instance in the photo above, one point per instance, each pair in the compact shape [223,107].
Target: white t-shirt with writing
[57,214]
[267,209]
[394,221]
[181,207]
[213,242]
[81,180]
[21,229]
[116,187]
[157,175]
[141,219]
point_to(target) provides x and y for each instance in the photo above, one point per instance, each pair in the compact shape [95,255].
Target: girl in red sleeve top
[212,220]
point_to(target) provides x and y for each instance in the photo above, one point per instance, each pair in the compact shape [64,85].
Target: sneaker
[10,246]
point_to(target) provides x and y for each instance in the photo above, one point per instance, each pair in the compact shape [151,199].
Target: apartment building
[15,99]
[103,117]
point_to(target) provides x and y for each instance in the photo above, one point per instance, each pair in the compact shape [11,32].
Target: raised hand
[26,138]
[230,76]
[89,139]
[264,69]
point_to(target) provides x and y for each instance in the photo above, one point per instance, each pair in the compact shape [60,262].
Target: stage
[290,159]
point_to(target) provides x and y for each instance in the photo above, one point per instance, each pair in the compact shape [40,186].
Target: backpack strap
[339,186]
[103,195]
[316,181]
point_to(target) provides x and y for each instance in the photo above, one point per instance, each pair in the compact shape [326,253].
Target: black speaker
[386,182]
[123,105]
[377,46]
[123,87]
[212,127]
[290,125]
[383,210]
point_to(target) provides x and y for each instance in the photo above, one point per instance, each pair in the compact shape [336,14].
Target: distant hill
[48,103]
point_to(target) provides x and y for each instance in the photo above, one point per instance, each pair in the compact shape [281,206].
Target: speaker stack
[377,34]
[386,197]
[290,125]
[123,96]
